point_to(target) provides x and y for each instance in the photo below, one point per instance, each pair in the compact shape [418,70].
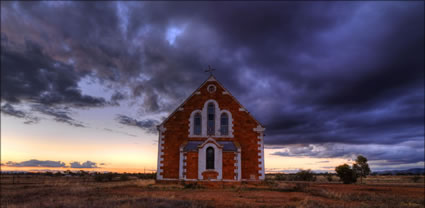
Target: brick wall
[178,130]
[209,174]
[229,165]
[192,165]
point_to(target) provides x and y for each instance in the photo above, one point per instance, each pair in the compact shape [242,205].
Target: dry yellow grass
[48,191]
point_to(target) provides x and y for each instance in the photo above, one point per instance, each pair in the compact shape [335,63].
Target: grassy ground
[48,191]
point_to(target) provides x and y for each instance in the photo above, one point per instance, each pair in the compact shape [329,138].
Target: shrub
[280,177]
[104,177]
[329,177]
[346,174]
[301,187]
[146,175]
[58,173]
[310,203]
[109,176]
[416,178]
[82,173]
[124,177]
[191,186]
[99,178]
[270,182]
[305,175]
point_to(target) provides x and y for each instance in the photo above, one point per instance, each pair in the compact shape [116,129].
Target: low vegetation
[349,175]
[303,189]
[302,175]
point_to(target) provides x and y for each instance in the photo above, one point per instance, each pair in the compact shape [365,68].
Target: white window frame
[204,114]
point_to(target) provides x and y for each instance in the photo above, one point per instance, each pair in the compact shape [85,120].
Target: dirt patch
[59,192]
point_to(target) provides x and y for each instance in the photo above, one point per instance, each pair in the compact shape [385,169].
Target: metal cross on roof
[210,70]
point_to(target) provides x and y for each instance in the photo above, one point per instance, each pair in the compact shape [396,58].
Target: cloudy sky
[83,84]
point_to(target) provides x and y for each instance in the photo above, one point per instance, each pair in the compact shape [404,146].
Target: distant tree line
[360,169]
[302,175]
[98,176]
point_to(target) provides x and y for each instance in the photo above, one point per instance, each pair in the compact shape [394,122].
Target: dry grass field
[50,191]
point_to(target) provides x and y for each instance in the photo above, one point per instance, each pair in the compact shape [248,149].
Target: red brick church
[210,137]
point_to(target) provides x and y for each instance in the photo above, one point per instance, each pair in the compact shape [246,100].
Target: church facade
[210,137]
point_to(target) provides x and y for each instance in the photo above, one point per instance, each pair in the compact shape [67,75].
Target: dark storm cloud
[116,97]
[148,124]
[10,110]
[313,73]
[87,164]
[380,124]
[36,163]
[59,115]
[32,76]
[401,154]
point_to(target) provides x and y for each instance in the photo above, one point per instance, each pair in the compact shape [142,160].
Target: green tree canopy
[346,174]
[361,168]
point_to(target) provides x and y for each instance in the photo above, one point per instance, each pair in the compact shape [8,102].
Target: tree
[346,174]
[361,168]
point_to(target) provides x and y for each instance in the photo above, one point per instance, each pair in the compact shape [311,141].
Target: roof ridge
[237,101]
[211,77]
[172,113]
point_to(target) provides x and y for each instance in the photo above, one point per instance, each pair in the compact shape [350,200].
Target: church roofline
[171,114]
[238,102]
[210,78]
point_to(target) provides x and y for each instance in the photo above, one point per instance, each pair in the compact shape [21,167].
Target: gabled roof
[210,78]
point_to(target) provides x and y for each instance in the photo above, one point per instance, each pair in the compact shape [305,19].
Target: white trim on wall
[230,126]
[260,130]
[159,170]
[181,164]
[192,124]
[211,85]
[218,158]
[239,164]
[218,113]
[205,117]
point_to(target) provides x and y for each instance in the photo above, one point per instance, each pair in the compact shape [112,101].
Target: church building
[210,137]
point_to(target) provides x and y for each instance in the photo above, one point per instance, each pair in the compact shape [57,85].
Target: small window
[198,127]
[211,88]
[211,119]
[210,158]
[224,124]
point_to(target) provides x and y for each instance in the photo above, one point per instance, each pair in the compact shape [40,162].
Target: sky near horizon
[83,84]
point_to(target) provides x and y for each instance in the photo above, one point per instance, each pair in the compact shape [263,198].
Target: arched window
[224,124]
[197,121]
[210,158]
[211,119]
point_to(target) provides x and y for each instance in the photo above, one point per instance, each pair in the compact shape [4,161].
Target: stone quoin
[210,137]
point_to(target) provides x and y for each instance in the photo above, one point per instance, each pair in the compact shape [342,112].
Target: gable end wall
[177,132]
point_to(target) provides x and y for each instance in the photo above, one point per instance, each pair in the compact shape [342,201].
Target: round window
[211,88]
